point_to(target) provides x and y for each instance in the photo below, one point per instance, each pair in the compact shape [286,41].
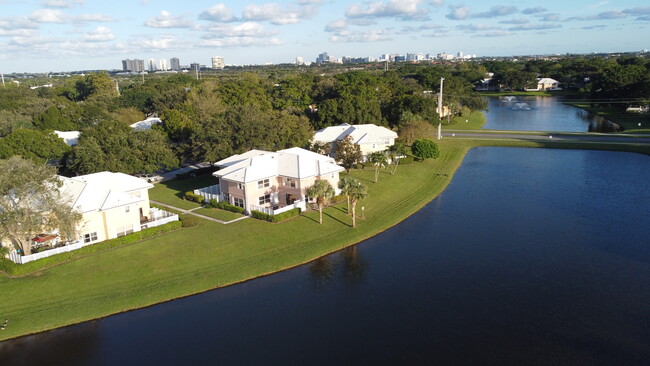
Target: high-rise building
[175,64]
[218,63]
[299,61]
[324,58]
[133,65]
[163,64]
[152,65]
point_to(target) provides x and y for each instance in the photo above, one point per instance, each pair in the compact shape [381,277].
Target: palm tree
[395,152]
[344,186]
[357,191]
[322,191]
[378,159]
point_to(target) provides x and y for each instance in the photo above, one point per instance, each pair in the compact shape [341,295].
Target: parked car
[150,178]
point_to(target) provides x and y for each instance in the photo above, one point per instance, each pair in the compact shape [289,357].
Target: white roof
[102,191]
[240,157]
[146,124]
[69,137]
[294,163]
[547,81]
[361,134]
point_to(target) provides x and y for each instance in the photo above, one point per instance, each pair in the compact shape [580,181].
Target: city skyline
[64,35]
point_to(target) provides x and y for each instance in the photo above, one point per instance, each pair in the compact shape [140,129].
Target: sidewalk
[190,212]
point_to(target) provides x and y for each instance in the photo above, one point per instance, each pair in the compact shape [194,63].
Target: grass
[218,214]
[213,255]
[475,121]
[171,192]
[629,121]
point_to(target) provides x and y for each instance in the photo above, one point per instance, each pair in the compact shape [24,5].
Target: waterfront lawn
[219,214]
[629,121]
[212,255]
[171,192]
[475,121]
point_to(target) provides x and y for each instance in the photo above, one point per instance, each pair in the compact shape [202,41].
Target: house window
[90,237]
[265,199]
[240,186]
[239,202]
[263,183]
[290,182]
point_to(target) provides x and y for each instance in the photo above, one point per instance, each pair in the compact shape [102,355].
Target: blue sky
[63,35]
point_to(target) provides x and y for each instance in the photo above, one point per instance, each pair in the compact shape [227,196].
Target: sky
[68,35]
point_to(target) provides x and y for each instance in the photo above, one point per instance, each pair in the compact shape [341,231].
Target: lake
[530,257]
[536,113]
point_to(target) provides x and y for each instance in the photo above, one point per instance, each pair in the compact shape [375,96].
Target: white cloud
[401,9]
[496,11]
[232,42]
[550,18]
[97,17]
[528,27]
[336,25]
[498,33]
[48,16]
[274,13]
[12,23]
[514,21]
[369,35]
[248,29]
[165,42]
[458,12]
[61,3]
[437,3]
[472,28]
[99,34]
[535,10]
[218,13]
[167,20]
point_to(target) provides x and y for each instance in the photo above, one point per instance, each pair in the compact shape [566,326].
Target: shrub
[275,218]
[224,206]
[425,148]
[190,196]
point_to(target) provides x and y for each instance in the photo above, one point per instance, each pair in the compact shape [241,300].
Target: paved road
[550,136]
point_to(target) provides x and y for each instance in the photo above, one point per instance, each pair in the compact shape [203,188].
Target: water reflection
[349,261]
[75,345]
[354,265]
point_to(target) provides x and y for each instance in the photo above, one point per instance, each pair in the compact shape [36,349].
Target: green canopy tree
[322,191]
[425,149]
[344,185]
[31,203]
[36,145]
[348,154]
[378,160]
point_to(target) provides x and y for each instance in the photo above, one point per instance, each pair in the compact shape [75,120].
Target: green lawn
[218,214]
[171,192]
[212,255]
[474,122]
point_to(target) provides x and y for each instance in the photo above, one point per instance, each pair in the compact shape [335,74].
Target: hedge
[224,206]
[14,269]
[275,218]
[191,196]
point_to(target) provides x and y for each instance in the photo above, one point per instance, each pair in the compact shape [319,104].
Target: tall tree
[348,154]
[379,161]
[344,185]
[36,145]
[395,153]
[425,148]
[357,191]
[322,191]
[31,203]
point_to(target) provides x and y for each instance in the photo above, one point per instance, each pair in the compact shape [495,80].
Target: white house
[546,84]
[69,137]
[269,181]
[369,137]
[111,204]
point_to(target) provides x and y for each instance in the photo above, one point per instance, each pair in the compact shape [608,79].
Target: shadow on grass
[335,219]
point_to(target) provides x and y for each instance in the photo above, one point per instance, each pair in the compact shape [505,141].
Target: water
[531,256]
[535,113]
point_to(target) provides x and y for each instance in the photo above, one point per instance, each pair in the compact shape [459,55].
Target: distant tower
[163,64]
[218,63]
[152,65]
[175,64]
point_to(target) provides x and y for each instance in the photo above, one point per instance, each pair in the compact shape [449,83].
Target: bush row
[191,196]
[14,269]
[275,218]
[224,206]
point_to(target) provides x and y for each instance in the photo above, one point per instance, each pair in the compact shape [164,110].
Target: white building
[163,65]
[218,63]
[369,137]
[152,65]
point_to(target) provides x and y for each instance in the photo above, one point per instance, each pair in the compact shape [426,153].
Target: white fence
[302,205]
[17,258]
[209,193]
[159,217]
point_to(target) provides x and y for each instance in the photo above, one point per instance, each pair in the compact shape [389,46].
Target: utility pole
[3,78]
[440,109]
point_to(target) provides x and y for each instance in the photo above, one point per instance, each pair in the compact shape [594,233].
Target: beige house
[111,204]
[272,181]
[369,137]
[546,84]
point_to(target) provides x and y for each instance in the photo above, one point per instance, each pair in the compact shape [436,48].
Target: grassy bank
[211,255]
[629,121]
